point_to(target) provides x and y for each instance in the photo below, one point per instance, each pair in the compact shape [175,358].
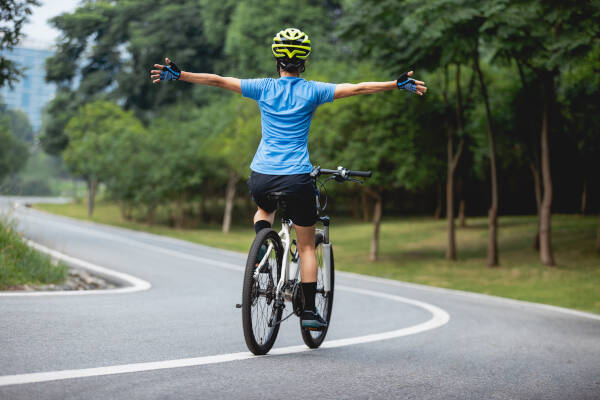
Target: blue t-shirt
[286,106]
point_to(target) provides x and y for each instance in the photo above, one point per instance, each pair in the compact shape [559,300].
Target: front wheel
[260,313]
[323,301]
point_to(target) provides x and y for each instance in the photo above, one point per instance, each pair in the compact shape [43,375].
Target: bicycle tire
[258,295]
[313,339]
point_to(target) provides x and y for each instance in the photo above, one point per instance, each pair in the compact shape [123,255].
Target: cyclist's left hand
[169,72]
[407,83]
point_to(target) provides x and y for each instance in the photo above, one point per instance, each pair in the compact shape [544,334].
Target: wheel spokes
[262,308]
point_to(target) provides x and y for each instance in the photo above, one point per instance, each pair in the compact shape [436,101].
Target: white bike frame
[291,271]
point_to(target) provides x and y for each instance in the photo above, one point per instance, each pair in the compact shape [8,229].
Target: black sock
[309,289]
[260,225]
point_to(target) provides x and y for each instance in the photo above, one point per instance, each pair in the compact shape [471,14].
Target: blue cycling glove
[170,72]
[406,83]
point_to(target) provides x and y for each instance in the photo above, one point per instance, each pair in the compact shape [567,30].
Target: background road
[490,348]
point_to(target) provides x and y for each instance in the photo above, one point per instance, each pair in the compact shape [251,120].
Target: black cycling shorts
[302,207]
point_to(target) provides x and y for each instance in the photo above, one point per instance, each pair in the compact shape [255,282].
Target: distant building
[32,92]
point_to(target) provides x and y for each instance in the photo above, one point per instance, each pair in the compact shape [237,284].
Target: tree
[564,36]
[375,133]
[13,151]
[13,14]
[107,48]
[254,23]
[426,35]
[20,125]
[55,118]
[92,136]
[579,96]
[233,144]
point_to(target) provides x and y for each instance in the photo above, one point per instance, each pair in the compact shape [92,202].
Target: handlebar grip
[328,171]
[366,174]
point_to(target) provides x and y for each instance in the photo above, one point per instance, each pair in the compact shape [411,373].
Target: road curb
[128,283]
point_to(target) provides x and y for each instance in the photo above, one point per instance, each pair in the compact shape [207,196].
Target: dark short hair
[295,66]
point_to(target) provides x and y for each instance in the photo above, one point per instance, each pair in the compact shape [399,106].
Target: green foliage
[191,138]
[254,23]
[236,134]
[56,115]
[580,94]
[20,264]
[377,132]
[13,14]
[13,151]
[93,133]
[20,125]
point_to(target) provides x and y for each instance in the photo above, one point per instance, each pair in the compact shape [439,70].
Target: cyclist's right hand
[169,72]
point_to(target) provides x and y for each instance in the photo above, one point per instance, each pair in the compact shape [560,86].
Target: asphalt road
[182,337]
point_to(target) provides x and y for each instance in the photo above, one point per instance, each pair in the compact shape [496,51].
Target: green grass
[21,265]
[412,249]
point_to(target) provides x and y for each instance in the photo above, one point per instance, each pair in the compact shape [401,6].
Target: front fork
[326,255]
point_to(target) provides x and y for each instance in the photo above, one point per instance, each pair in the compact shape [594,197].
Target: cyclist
[281,162]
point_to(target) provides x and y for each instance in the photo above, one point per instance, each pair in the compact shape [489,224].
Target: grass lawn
[22,265]
[412,250]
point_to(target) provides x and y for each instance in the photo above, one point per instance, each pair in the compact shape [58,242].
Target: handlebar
[341,173]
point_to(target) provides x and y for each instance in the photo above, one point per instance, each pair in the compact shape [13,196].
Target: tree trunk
[180,216]
[451,249]
[598,239]
[452,163]
[460,189]
[92,187]
[365,206]
[462,222]
[538,201]
[150,214]
[229,197]
[123,209]
[546,255]
[493,211]
[438,207]
[376,226]
[583,198]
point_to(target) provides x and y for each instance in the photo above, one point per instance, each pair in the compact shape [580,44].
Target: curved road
[182,338]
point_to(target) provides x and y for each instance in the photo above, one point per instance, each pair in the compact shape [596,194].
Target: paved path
[182,337]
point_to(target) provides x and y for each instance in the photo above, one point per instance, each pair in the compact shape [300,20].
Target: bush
[20,264]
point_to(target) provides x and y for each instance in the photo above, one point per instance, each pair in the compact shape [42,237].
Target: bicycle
[274,279]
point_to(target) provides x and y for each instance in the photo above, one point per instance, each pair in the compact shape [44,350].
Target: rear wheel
[260,315]
[323,301]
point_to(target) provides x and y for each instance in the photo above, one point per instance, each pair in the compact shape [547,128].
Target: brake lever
[354,180]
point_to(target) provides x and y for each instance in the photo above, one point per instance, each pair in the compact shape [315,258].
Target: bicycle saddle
[282,199]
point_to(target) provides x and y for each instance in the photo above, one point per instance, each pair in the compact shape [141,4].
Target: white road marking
[478,296]
[438,319]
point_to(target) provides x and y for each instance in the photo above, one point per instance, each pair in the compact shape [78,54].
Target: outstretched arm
[352,89]
[171,72]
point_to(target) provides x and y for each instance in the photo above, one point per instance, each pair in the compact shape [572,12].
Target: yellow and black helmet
[291,44]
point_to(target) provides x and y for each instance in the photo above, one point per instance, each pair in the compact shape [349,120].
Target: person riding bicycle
[281,162]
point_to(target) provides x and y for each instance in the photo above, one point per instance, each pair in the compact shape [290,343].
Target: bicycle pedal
[238,306]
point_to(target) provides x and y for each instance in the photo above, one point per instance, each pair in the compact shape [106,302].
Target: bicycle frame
[291,271]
